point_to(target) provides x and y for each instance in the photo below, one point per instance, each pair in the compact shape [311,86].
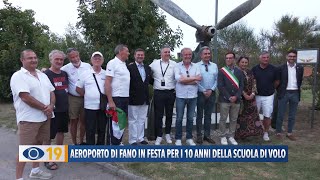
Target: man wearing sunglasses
[76,102]
[187,75]
[206,94]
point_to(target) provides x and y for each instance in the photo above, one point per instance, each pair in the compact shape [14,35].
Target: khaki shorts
[75,107]
[33,133]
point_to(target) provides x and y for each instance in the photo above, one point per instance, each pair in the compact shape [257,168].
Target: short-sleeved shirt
[73,75]
[120,74]
[39,88]
[167,70]
[265,79]
[186,91]
[91,91]
[60,82]
[209,76]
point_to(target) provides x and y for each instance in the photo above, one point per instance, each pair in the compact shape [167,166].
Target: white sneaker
[266,137]
[233,141]
[190,142]
[272,130]
[40,175]
[158,141]
[178,142]
[168,139]
[224,141]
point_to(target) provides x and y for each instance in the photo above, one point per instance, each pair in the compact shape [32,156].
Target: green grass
[304,160]
[306,96]
[304,155]
[303,164]
[7,116]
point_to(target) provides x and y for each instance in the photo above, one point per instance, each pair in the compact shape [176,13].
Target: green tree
[106,23]
[292,32]
[18,31]
[240,39]
[74,38]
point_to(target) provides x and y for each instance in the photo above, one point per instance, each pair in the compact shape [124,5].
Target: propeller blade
[175,11]
[237,13]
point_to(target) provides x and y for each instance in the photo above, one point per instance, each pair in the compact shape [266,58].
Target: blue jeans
[293,99]
[191,106]
[204,105]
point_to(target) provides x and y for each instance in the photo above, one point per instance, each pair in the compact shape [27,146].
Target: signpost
[310,57]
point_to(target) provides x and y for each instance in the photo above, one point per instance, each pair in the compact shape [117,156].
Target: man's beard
[76,64]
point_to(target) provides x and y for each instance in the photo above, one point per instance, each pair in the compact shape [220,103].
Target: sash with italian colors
[234,80]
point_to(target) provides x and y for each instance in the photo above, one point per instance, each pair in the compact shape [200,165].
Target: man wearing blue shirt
[206,94]
[187,75]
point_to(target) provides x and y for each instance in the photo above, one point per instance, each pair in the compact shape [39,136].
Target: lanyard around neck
[163,73]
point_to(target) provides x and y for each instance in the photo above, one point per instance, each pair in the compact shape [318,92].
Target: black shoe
[199,140]
[134,144]
[144,142]
[209,140]
[83,143]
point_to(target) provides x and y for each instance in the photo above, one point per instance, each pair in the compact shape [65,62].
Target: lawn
[304,160]
[304,155]
[7,116]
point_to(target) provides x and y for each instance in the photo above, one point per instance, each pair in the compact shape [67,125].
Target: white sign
[307,56]
[43,153]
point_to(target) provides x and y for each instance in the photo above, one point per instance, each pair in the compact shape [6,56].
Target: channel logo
[43,153]
[33,153]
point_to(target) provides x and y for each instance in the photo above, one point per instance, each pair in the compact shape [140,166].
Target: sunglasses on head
[206,66]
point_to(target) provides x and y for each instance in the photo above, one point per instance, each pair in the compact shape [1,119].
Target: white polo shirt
[92,96]
[39,88]
[169,79]
[120,74]
[74,74]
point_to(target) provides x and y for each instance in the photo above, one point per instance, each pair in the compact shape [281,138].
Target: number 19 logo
[55,152]
[43,153]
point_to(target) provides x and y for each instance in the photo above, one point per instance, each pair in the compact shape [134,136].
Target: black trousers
[95,122]
[275,111]
[163,100]
[122,103]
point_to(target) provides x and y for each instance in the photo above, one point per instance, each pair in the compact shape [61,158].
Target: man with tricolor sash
[230,85]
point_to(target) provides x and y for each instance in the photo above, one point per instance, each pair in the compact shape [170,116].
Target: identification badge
[163,82]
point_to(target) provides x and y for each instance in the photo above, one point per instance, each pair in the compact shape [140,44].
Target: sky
[57,14]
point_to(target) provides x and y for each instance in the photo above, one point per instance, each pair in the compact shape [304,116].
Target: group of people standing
[263,81]
[47,102]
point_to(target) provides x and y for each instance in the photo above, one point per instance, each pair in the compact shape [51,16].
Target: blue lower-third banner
[177,154]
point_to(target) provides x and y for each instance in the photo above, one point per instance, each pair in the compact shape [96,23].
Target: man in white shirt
[140,77]
[76,111]
[187,75]
[90,85]
[289,78]
[164,93]
[117,86]
[34,101]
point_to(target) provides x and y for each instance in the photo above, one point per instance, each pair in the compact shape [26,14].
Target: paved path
[74,171]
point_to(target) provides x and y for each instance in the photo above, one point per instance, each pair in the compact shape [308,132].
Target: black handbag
[103,97]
